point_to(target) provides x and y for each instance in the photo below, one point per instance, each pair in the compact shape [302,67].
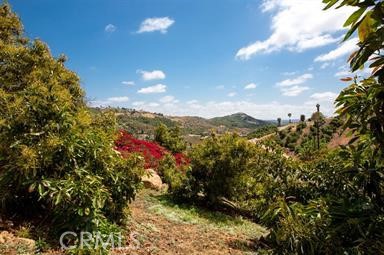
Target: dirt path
[165,228]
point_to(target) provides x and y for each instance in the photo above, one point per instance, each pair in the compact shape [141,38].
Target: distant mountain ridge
[239,120]
[143,122]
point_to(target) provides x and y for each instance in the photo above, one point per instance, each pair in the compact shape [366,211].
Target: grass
[189,214]
[24,231]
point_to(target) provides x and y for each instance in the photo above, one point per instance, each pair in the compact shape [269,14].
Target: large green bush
[248,174]
[170,138]
[57,162]
[217,165]
[322,206]
[175,176]
[334,215]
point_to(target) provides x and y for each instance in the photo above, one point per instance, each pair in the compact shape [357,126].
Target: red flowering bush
[181,159]
[152,152]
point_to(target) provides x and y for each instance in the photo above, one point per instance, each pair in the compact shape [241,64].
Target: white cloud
[194,101]
[293,90]
[110,28]
[111,101]
[152,75]
[128,83]
[159,88]
[289,73]
[343,73]
[118,99]
[232,94]
[156,24]
[326,100]
[153,104]
[324,65]
[169,100]
[342,50]
[138,103]
[250,86]
[267,111]
[298,25]
[324,96]
[295,81]
[290,87]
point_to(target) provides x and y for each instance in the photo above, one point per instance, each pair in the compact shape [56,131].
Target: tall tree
[279,122]
[56,159]
[362,102]
[360,106]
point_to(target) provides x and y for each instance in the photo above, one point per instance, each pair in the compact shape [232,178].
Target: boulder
[10,244]
[152,180]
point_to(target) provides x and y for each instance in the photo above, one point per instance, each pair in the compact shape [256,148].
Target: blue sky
[198,57]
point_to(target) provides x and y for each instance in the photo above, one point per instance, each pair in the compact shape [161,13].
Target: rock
[152,180]
[10,244]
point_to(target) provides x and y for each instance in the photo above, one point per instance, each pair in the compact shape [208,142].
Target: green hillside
[144,123]
[238,120]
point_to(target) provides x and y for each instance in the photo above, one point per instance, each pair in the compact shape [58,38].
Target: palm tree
[289,116]
[302,117]
[279,122]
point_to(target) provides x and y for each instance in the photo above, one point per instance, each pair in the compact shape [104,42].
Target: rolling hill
[144,123]
[238,120]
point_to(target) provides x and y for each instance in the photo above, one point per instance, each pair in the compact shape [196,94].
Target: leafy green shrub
[217,164]
[306,150]
[170,138]
[300,127]
[230,167]
[172,174]
[312,129]
[262,131]
[297,228]
[56,158]
[331,212]
[291,140]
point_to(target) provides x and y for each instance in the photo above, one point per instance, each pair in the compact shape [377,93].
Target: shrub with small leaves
[58,163]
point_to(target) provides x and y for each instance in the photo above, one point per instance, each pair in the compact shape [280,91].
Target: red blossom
[151,151]
[181,159]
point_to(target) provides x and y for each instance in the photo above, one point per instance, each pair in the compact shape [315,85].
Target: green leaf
[330,3]
[32,187]
[352,30]
[365,28]
[377,63]
[40,189]
[58,198]
[354,17]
